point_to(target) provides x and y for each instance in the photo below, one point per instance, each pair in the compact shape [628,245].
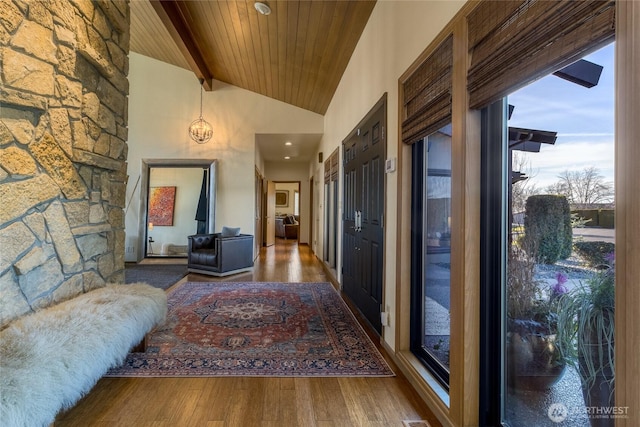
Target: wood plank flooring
[249,402]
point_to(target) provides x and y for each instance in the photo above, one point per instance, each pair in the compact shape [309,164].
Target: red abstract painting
[161,204]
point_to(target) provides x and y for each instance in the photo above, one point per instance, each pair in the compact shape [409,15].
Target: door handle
[357,221]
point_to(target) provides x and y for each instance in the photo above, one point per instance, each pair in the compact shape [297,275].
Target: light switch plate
[390,165]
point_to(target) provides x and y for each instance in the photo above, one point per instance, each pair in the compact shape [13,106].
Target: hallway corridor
[253,401]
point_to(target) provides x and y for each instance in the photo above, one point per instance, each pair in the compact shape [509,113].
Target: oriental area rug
[256,329]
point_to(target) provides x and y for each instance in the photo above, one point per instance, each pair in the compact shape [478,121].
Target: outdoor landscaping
[560,306]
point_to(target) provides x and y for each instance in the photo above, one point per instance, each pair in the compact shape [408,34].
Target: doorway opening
[287,211]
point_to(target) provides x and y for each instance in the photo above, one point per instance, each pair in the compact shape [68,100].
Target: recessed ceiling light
[263,8]
[288,143]
[287,157]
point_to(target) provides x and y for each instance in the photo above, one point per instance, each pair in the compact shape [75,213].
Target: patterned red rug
[256,329]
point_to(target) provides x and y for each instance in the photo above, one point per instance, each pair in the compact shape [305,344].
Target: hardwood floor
[249,402]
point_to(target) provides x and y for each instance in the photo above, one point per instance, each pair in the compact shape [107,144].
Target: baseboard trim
[329,273]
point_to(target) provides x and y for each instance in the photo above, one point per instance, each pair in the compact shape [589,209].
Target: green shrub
[547,225]
[590,215]
[594,253]
[579,222]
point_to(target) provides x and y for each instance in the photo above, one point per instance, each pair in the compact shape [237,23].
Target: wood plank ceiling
[297,54]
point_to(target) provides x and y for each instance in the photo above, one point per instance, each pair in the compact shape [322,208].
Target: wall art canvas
[282,198]
[161,204]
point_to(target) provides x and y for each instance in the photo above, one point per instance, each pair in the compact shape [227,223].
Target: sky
[583,118]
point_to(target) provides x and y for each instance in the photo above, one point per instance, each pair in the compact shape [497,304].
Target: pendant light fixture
[200,130]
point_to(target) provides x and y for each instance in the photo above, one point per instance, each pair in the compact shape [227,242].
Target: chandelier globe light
[200,130]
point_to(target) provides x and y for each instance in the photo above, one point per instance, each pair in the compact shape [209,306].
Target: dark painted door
[362,254]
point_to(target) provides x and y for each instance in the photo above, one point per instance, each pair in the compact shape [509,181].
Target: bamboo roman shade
[331,167]
[427,95]
[512,43]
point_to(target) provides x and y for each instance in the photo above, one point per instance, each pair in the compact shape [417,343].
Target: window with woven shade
[331,215]
[427,95]
[512,43]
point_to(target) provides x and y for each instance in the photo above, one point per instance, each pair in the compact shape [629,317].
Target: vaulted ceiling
[297,54]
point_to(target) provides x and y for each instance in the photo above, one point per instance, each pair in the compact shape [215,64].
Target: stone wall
[63,150]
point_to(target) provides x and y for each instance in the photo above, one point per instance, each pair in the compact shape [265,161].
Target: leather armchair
[291,231]
[219,256]
[287,227]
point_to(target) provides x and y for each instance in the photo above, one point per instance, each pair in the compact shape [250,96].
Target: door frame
[291,198]
[259,216]
[311,212]
[269,206]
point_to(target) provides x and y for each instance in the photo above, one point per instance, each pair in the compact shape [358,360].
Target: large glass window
[431,250]
[557,248]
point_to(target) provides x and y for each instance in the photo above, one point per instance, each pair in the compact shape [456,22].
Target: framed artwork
[161,205]
[282,198]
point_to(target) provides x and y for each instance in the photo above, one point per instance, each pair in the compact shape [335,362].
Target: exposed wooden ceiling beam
[173,19]
[296,55]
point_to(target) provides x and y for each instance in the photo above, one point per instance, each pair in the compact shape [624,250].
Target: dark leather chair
[287,227]
[219,256]
[291,231]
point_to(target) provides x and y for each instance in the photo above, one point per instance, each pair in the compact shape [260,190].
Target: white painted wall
[396,34]
[165,99]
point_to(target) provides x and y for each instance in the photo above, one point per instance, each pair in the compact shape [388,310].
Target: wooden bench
[53,357]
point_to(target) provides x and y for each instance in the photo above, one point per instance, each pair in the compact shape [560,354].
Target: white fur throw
[51,358]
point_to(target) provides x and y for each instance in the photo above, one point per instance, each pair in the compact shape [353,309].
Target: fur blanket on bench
[51,358]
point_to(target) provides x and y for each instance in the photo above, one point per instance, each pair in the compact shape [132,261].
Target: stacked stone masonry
[63,149]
